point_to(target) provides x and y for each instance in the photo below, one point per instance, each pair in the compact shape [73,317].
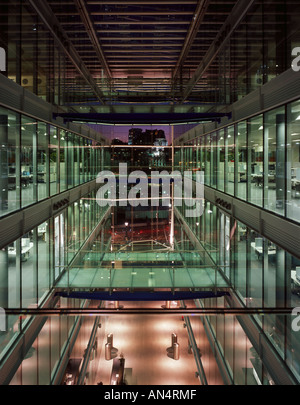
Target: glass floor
[130,269]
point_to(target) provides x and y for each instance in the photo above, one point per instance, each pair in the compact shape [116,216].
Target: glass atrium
[149,192]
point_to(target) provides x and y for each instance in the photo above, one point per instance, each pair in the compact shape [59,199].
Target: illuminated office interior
[145,294]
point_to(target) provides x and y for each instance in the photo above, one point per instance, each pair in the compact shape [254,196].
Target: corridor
[143,341]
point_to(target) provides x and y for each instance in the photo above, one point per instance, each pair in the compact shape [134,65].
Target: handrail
[200,368]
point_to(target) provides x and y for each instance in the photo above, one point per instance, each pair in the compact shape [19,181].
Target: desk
[24,253]
[294,278]
[259,250]
[296,186]
[25,180]
[257,179]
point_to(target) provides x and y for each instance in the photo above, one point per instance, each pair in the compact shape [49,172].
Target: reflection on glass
[9,162]
[42,161]
[242,158]
[255,159]
[53,160]
[274,154]
[28,162]
[293,161]
[229,160]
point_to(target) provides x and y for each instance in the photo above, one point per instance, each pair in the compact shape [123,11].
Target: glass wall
[274,160]
[38,160]
[256,160]
[293,161]
[261,274]
[255,178]
[259,49]
[34,61]
[43,359]
[30,266]
[10,181]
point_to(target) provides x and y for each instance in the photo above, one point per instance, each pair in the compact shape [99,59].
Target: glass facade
[92,249]
[32,264]
[262,274]
[255,160]
[39,160]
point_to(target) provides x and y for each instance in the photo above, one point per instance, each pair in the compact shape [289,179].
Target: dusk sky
[121,132]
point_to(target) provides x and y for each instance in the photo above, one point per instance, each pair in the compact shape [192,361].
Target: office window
[207,158]
[42,161]
[28,161]
[255,274]
[70,159]
[63,161]
[29,269]
[76,146]
[28,50]
[242,157]
[53,161]
[274,160]
[82,161]
[59,244]
[229,160]
[255,160]
[220,159]
[9,162]
[255,51]
[43,250]
[214,160]
[240,258]
[293,161]
[43,68]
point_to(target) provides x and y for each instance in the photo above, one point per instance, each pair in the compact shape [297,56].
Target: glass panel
[43,241]
[28,161]
[28,50]
[240,258]
[70,160]
[293,161]
[207,157]
[274,134]
[76,160]
[229,160]
[53,158]
[29,269]
[42,161]
[255,160]
[241,144]
[214,160]
[221,159]
[44,353]
[255,279]
[43,62]
[9,162]
[255,63]
[63,161]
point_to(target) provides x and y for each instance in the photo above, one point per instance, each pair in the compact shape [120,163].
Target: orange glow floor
[143,341]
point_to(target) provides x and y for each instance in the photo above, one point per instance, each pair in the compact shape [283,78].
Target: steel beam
[47,16]
[192,33]
[85,16]
[233,20]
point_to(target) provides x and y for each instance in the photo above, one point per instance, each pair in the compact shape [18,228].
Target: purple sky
[121,132]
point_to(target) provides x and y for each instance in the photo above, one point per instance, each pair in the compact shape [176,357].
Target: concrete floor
[143,341]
